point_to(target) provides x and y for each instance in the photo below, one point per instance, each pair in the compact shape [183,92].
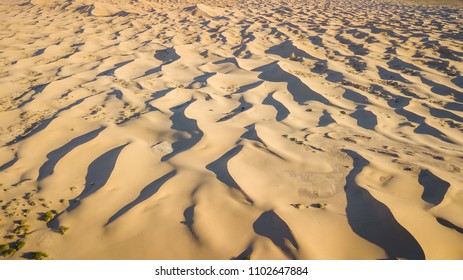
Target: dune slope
[226,130]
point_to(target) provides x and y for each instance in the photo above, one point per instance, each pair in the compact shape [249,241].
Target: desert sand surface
[231,129]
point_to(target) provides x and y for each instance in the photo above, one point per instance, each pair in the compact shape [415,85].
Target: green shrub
[22,229]
[4,247]
[19,244]
[48,216]
[9,252]
[63,229]
[38,255]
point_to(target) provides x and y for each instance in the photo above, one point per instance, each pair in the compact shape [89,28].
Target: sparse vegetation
[48,216]
[37,255]
[4,247]
[9,252]
[22,228]
[63,229]
[318,205]
[19,244]
[294,57]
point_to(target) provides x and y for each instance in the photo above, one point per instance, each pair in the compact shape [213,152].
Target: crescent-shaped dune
[328,129]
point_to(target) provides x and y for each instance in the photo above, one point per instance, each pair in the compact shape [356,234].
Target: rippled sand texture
[305,130]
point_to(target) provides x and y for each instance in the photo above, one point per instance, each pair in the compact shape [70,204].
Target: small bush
[20,222]
[4,247]
[48,216]
[22,229]
[38,255]
[19,244]
[63,229]
[9,252]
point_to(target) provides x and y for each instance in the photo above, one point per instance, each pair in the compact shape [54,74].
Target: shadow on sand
[372,220]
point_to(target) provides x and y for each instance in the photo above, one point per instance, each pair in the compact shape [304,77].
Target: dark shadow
[39,52]
[286,48]
[376,30]
[147,192]
[426,129]
[343,40]
[201,79]
[316,40]
[244,106]
[325,119]
[358,49]
[443,114]
[355,97]
[245,255]
[270,225]
[9,163]
[220,169]
[167,56]
[372,220]
[301,92]
[161,93]
[180,122]
[251,134]
[423,127]
[357,63]
[454,106]
[443,90]
[365,118]
[44,124]
[458,81]
[156,95]
[153,70]
[247,87]
[247,37]
[98,174]
[53,157]
[20,182]
[110,72]
[116,93]
[388,75]
[282,111]
[448,224]
[231,60]
[434,187]
[37,89]
[398,64]
[334,76]
[188,214]
[278,34]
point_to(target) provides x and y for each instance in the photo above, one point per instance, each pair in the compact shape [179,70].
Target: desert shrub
[22,229]
[4,247]
[38,255]
[9,252]
[48,216]
[63,229]
[19,244]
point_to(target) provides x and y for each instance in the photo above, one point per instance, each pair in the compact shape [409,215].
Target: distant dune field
[231,129]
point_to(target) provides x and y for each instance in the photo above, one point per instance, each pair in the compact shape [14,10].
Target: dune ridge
[231,129]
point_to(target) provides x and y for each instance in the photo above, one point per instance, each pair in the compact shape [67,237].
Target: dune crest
[231,129]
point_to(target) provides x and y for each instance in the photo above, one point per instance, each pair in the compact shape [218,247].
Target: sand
[231,129]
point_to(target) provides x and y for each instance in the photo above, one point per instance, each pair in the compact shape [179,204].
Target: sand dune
[231,129]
